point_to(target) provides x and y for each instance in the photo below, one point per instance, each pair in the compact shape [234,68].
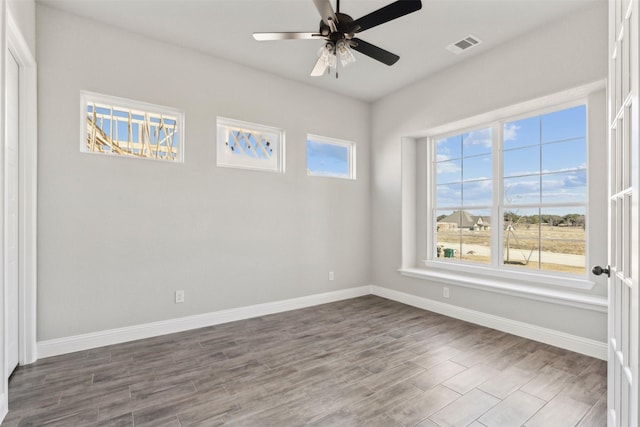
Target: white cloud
[447,167]
[510,132]
[478,137]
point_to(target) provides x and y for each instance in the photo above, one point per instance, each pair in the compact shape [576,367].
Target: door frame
[28,150]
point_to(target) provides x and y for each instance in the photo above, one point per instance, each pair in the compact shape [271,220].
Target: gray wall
[24,13]
[118,236]
[557,57]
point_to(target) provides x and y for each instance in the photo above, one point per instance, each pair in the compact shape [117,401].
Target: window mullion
[496,212]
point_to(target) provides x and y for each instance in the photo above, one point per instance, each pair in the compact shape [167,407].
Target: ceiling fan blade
[386,14]
[320,68]
[326,11]
[374,52]
[286,36]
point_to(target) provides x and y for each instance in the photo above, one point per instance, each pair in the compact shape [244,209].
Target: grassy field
[523,246]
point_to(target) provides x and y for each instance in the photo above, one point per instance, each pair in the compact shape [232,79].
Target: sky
[327,159]
[544,161]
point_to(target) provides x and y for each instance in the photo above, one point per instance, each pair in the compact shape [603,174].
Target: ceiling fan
[338,31]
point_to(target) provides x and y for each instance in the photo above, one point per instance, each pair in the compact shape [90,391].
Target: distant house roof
[464,219]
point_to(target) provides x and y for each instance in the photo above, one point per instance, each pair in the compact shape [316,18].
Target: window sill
[528,286]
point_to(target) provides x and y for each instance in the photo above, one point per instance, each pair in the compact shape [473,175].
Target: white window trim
[514,287]
[351,150]
[223,123]
[535,284]
[497,209]
[87,97]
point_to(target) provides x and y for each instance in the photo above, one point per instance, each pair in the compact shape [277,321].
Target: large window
[513,194]
[127,128]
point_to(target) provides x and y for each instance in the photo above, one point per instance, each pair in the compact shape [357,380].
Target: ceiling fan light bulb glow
[328,55]
[331,61]
[344,52]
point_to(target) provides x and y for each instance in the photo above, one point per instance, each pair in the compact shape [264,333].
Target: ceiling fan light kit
[338,31]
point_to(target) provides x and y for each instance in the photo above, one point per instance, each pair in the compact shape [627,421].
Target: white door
[624,222]
[11,191]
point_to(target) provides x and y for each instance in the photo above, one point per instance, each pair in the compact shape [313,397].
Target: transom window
[513,194]
[330,157]
[249,146]
[128,128]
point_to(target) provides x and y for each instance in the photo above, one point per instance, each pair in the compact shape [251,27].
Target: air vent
[464,44]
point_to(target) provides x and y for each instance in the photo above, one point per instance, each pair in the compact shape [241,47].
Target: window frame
[87,97]
[351,152]
[497,268]
[223,124]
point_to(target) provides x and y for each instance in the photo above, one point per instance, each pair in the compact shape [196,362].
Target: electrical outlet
[179,297]
[445,292]
[331,276]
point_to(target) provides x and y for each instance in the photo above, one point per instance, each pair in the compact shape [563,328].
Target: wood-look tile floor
[360,362]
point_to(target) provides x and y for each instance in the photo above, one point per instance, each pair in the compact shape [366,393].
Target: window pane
[521,235]
[477,193]
[521,161]
[565,187]
[522,190]
[476,142]
[568,222]
[449,195]
[525,221]
[521,252]
[565,124]
[521,133]
[448,233]
[249,146]
[477,167]
[449,171]
[564,156]
[476,236]
[130,128]
[563,239]
[567,256]
[327,159]
[449,148]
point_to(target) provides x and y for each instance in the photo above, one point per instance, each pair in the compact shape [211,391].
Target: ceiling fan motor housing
[343,28]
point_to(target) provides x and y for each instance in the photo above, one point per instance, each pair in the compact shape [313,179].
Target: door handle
[597,270]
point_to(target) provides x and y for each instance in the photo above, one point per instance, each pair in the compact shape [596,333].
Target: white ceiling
[223,28]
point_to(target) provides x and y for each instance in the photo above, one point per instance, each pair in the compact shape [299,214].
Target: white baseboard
[115,336]
[4,406]
[575,343]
